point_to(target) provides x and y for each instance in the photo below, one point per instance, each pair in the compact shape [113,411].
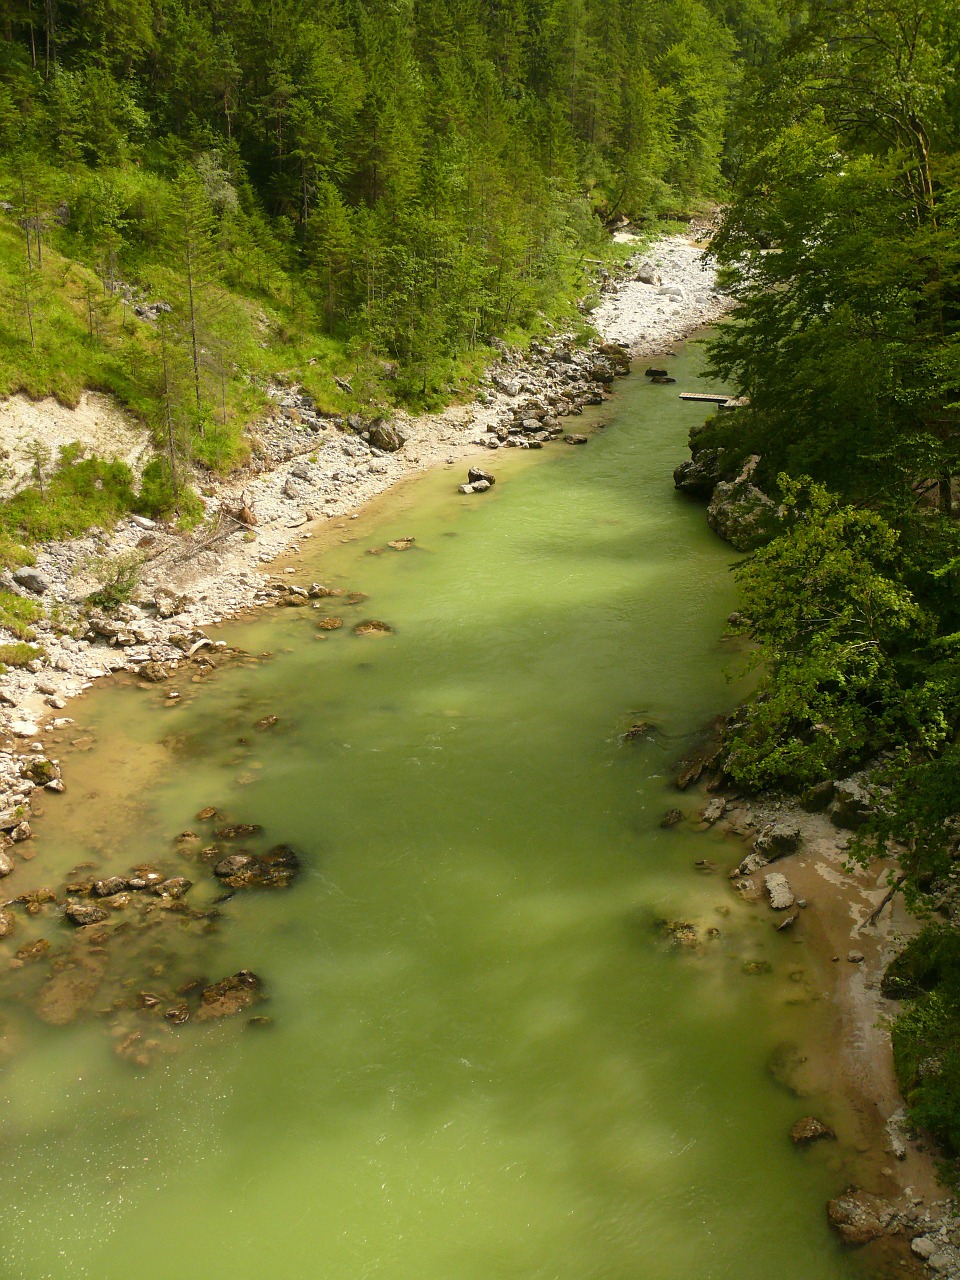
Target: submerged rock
[82,914]
[809,1129]
[372,627]
[671,818]
[859,1217]
[229,996]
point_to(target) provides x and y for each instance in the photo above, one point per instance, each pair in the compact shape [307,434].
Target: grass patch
[80,493]
[18,655]
[18,615]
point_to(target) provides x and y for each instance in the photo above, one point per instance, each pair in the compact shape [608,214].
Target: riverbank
[828,903]
[306,472]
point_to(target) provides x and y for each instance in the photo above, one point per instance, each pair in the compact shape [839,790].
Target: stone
[112,884]
[372,627]
[924,1247]
[713,811]
[859,1217]
[330,624]
[809,1129]
[574,438]
[477,473]
[229,996]
[741,513]
[671,818]
[855,957]
[39,770]
[6,864]
[480,486]
[698,476]
[82,914]
[33,950]
[24,729]
[384,435]
[465,488]
[238,830]
[818,797]
[778,891]
[8,923]
[778,839]
[237,866]
[31,580]
[852,804]
[401,544]
[175,887]
[155,672]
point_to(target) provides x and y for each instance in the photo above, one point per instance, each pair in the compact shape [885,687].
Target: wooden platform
[722,402]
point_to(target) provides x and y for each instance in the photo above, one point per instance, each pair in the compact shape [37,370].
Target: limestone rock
[778,839]
[809,1129]
[779,891]
[859,1217]
[84,913]
[741,513]
[31,580]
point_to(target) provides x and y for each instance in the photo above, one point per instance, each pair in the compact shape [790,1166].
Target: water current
[484,1060]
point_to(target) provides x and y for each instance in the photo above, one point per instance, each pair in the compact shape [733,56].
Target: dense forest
[842,244]
[369,188]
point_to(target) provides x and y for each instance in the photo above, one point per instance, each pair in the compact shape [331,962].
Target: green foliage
[926,1035]
[18,654]
[18,615]
[118,576]
[160,499]
[836,632]
[80,493]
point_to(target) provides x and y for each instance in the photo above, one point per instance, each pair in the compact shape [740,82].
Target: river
[484,1058]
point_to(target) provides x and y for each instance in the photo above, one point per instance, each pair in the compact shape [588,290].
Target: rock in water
[477,473]
[778,891]
[84,913]
[741,513]
[809,1129]
[229,996]
[859,1217]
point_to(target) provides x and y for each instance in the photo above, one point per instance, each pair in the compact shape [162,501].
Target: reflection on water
[484,1058]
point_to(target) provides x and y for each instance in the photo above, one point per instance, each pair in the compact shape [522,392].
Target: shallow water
[484,1060]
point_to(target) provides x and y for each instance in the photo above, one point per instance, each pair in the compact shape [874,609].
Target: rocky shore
[793,861]
[306,470]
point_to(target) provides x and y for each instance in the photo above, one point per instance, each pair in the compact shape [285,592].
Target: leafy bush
[159,500]
[119,575]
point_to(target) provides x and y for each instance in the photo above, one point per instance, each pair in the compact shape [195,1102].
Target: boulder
[699,476]
[476,474]
[229,996]
[742,514]
[809,1129]
[713,811]
[7,923]
[84,913]
[112,884]
[859,1217]
[6,864]
[39,770]
[778,839]
[574,438]
[671,818]
[778,891]
[31,580]
[384,435]
[655,373]
[852,804]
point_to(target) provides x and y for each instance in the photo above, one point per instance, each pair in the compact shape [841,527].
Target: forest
[348,192]
[841,245]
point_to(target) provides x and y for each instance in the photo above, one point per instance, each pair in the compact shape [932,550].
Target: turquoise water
[484,1060]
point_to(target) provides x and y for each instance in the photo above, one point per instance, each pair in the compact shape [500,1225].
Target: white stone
[23,729]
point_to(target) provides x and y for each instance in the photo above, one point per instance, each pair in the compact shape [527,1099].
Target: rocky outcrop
[859,1217]
[741,513]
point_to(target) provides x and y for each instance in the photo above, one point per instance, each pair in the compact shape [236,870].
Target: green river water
[484,1062]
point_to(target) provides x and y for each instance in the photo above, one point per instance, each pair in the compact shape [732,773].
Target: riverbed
[480,1052]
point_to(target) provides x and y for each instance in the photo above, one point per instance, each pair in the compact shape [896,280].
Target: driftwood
[891,893]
